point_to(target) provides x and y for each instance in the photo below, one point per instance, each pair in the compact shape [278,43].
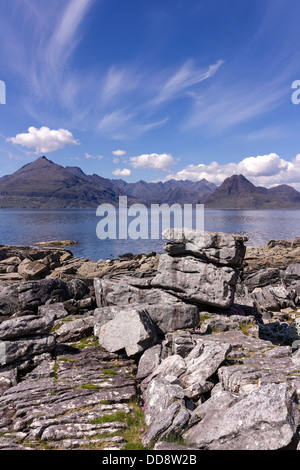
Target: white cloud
[93,157]
[156,161]
[187,76]
[44,140]
[124,172]
[262,170]
[119,153]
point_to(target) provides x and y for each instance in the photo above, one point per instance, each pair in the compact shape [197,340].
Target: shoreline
[207,331]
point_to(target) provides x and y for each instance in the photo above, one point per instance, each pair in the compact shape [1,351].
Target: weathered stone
[264,419]
[26,347]
[166,316]
[26,325]
[33,269]
[292,273]
[55,310]
[8,378]
[262,278]
[121,293]
[149,361]
[200,283]
[75,330]
[9,444]
[172,365]
[217,247]
[226,323]
[77,289]
[273,298]
[181,342]
[159,395]
[174,316]
[131,329]
[32,294]
[201,364]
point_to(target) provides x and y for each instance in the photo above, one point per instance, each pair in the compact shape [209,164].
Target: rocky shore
[196,348]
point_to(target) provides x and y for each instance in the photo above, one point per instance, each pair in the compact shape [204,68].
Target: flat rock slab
[62,403]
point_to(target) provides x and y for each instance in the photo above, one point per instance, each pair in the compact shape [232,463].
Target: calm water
[27,227]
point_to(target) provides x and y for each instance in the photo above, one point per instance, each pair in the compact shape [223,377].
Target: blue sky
[152,90]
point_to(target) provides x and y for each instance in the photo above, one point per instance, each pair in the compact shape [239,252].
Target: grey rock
[149,361]
[25,325]
[181,342]
[264,419]
[226,323]
[201,364]
[169,422]
[9,444]
[26,347]
[77,289]
[75,330]
[30,270]
[160,394]
[32,294]
[172,365]
[8,378]
[162,445]
[273,298]
[174,316]
[199,283]
[217,247]
[263,277]
[292,273]
[8,299]
[55,310]
[166,316]
[131,329]
[121,292]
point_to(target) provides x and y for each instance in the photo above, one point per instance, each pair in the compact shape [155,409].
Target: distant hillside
[169,192]
[44,184]
[236,192]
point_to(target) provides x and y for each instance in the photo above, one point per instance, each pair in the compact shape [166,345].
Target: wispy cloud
[184,78]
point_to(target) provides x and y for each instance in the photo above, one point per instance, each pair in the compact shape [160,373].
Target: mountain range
[44,184]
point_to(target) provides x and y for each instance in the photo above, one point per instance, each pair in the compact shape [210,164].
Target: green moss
[90,386]
[109,372]
[119,416]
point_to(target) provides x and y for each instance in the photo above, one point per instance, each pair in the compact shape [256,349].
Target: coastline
[150,331]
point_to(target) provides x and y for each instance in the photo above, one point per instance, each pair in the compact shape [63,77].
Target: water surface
[27,227]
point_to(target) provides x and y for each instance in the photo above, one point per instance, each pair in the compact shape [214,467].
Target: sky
[153,90]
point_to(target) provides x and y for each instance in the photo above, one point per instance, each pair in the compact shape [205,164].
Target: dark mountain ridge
[236,192]
[44,184]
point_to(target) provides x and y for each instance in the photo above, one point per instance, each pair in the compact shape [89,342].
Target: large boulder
[192,280]
[131,329]
[264,419]
[216,247]
[167,317]
[201,364]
